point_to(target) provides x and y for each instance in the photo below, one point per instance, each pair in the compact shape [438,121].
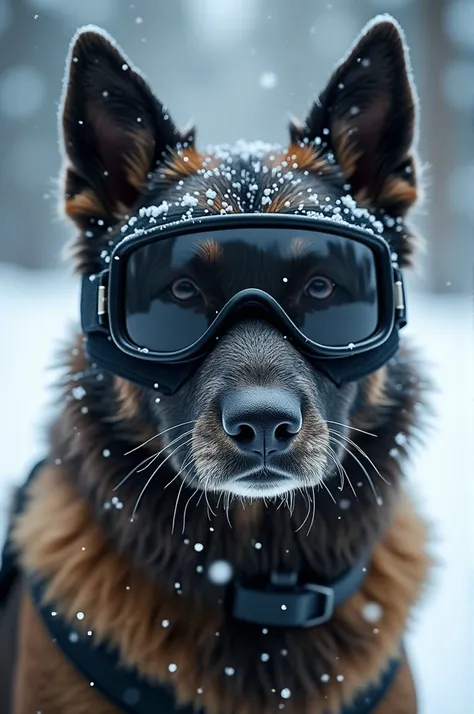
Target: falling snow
[78,392]
[372,612]
[268,80]
[220,572]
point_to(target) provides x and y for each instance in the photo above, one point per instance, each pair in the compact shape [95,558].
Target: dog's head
[256,419]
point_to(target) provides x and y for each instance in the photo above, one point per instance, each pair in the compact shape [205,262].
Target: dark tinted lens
[326,284]
[161,314]
[348,313]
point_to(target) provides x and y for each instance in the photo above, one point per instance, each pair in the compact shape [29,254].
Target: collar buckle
[328,595]
[284,602]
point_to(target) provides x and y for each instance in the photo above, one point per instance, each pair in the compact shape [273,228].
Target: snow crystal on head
[248,177]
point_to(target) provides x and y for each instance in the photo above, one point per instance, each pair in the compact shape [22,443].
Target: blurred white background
[238,68]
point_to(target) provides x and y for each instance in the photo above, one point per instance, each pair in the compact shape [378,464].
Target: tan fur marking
[94,580]
[138,163]
[83,204]
[306,157]
[375,385]
[277,204]
[347,155]
[185,163]
[398,191]
[128,396]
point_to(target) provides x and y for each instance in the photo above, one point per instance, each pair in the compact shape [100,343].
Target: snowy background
[267,58]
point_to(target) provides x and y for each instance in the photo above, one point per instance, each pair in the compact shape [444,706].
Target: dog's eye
[184,289]
[319,288]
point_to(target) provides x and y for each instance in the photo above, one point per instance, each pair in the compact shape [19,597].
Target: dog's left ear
[114,130]
[366,117]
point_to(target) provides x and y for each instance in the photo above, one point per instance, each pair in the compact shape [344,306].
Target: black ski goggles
[168,292]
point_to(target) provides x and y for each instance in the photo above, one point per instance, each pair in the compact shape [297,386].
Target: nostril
[246,435]
[283,433]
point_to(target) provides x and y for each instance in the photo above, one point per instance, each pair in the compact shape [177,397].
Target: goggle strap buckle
[400,304]
[94,312]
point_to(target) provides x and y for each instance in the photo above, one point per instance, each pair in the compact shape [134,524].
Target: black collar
[284,602]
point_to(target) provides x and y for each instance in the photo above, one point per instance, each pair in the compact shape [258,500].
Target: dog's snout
[262,420]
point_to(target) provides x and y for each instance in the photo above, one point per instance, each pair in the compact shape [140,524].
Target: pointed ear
[366,118]
[114,130]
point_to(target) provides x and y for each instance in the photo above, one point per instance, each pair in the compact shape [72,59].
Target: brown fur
[45,681]
[84,204]
[301,157]
[183,163]
[86,574]
[375,385]
[401,699]
[347,154]
[398,192]
[138,163]
[129,401]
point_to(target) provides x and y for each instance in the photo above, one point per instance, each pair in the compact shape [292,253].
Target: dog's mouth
[265,482]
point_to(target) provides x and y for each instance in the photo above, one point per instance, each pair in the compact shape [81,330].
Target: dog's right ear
[114,131]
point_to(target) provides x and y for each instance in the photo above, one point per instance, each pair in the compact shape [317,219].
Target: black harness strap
[126,688]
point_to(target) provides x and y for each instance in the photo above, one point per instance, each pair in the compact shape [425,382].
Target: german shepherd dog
[180,533]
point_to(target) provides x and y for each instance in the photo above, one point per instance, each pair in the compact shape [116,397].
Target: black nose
[261,420]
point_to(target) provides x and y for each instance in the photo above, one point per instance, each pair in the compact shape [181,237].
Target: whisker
[374,491]
[345,475]
[292,503]
[130,473]
[361,451]
[338,465]
[327,489]
[151,459]
[186,433]
[314,511]
[208,504]
[154,473]
[306,495]
[186,508]
[348,426]
[183,466]
[160,434]
[342,465]
[176,506]
[227,510]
